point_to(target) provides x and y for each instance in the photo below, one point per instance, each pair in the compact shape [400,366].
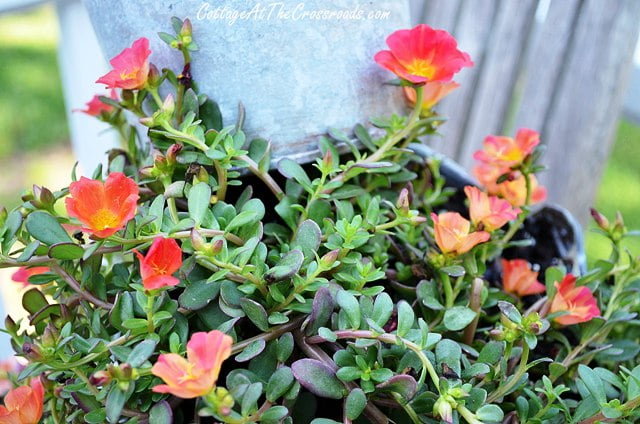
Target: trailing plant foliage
[193,282]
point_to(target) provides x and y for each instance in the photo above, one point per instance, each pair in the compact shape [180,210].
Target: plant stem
[180,235]
[264,176]
[150,325]
[85,294]
[6,262]
[407,408]
[273,333]
[467,415]
[391,141]
[222,180]
[515,378]
[215,265]
[448,291]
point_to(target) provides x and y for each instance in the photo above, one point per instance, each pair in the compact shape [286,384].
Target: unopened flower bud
[198,242]
[32,352]
[168,106]
[403,200]
[126,370]
[154,77]
[100,378]
[497,334]
[187,29]
[329,259]
[201,176]
[173,152]
[443,409]
[148,121]
[600,219]
[327,161]
[217,246]
[50,336]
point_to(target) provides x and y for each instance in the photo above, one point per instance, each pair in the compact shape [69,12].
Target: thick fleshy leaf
[318,378]
[403,384]
[320,312]
[288,266]
[44,227]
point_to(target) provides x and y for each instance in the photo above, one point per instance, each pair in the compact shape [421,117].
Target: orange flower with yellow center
[130,67]
[489,212]
[162,260]
[423,54]
[577,301]
[23,405]
[103,207]
[507,152]
[197,374]
[518,278]
[452,233]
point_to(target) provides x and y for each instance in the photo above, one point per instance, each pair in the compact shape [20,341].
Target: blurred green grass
[32,119]
[619,190]
[33,114]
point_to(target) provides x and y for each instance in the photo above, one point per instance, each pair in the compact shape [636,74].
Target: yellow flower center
[130,75]
[104,218]
[421,68]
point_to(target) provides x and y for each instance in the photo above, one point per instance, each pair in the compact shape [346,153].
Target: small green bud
[329,259]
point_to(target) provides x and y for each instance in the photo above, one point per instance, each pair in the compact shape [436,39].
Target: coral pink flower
[23,405]
[518,278]
[161,261]
[506,152]
[514,189]
[432,93]
[452,233]
[423,54]
[578,301]
[103,207]
[95,106]
[22,274]
[130,67]
[197,375]
[489,212]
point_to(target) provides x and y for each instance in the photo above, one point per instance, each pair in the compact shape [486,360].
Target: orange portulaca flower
[423,54]
[578,301]
[103,207]
[506,152]
[197,375]
[518,278]
[514,189]
[22,274]
[130,67]
[161,261]
[432,93]
[452,233]
[95,106]
[23,405]
[489,212]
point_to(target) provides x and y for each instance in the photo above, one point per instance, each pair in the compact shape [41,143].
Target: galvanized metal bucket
[299,67]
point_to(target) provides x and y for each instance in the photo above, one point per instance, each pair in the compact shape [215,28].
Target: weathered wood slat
[496,82]
[437,13]
[472,30]
[543,66]
[582,118]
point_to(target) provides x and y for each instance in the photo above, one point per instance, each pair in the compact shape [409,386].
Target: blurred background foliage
[34,138]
